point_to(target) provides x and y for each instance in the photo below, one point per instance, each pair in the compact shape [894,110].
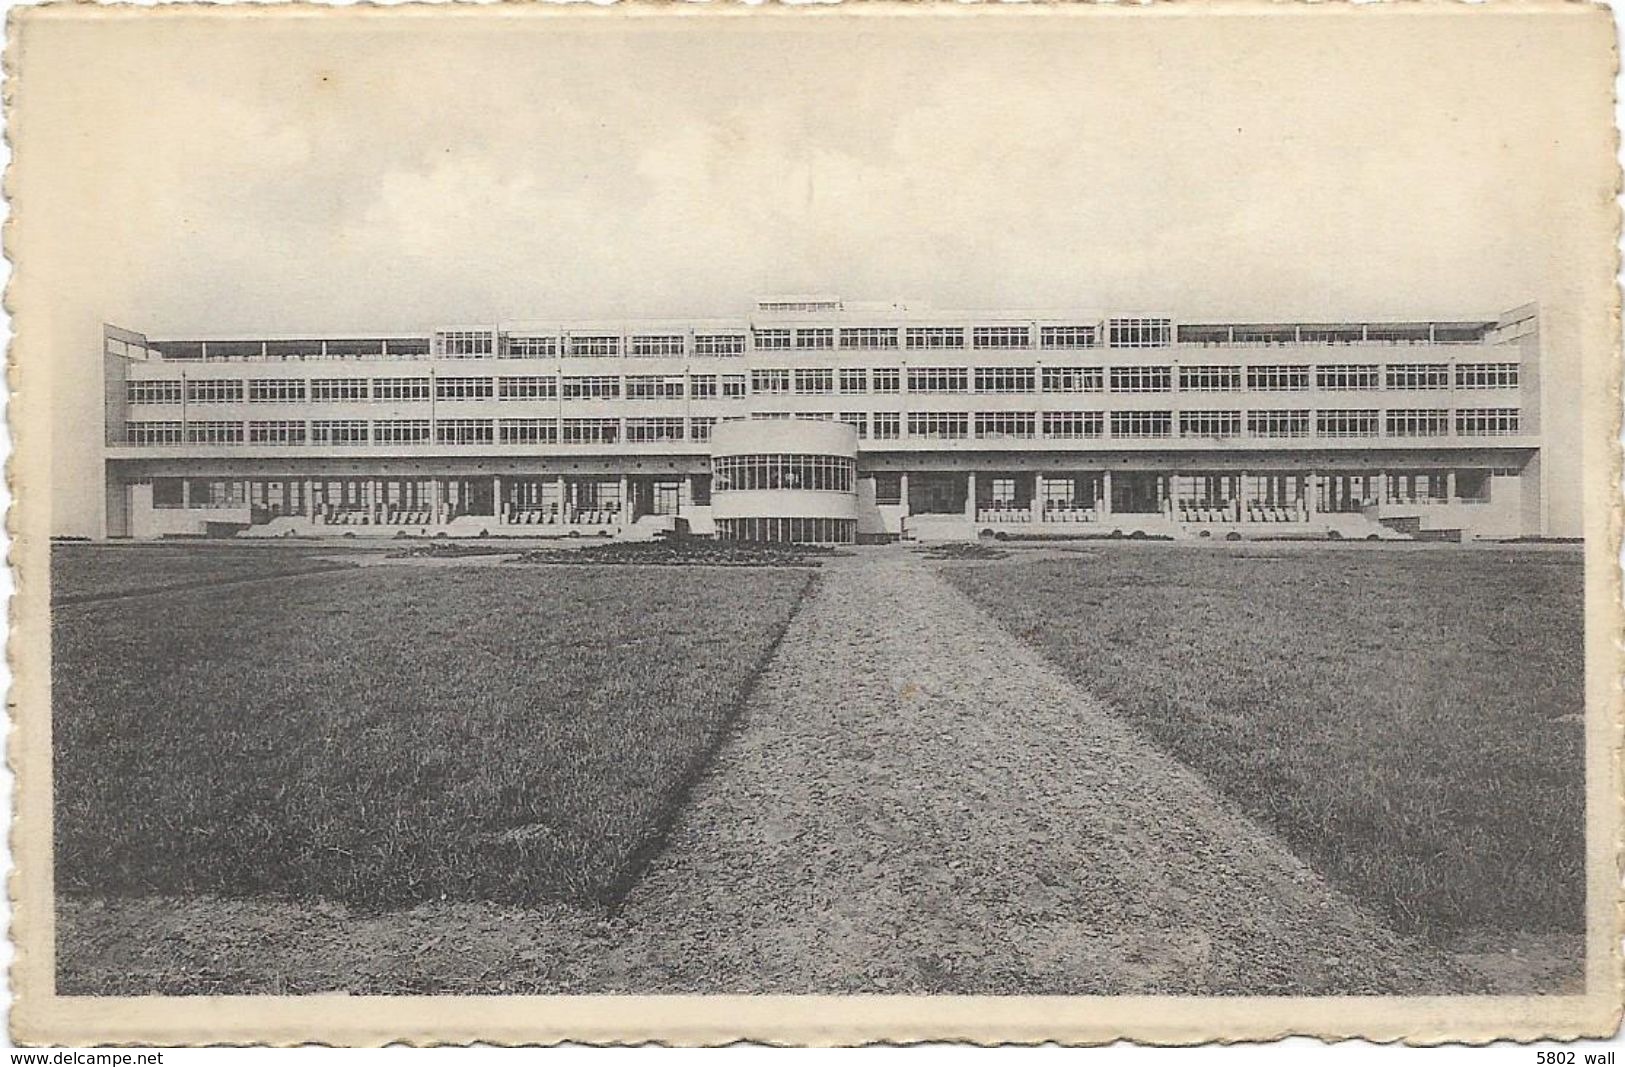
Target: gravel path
[912,802]
[917,802]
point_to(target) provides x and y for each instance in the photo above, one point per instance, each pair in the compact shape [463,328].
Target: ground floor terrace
[898,497]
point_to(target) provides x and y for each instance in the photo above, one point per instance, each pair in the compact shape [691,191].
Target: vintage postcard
[814,525]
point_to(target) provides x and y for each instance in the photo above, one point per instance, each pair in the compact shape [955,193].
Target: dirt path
[914,801]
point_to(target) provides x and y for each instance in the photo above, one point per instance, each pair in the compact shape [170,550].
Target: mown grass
[1409,722]
[394,735]
[82,572]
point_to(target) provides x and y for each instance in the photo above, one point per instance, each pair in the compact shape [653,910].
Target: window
[1348,376]
[338,432]
[463,389]
[719,344]
[771,340]
[665,344]
[654,387]
[1068,425]
[886,380]
[815,338]
[528,387]
[941,425]
[464,432]
[1000,337]
[702,386]
[885,426]
[888,488]
[152,433]
[275,390]
[858,420]
[1209,379]
[277,432]
[1283,378]
[1487,422]
[937,379]
[1140,333]
[592,387]
[1487,376]
[463,343]
[533,347]
[1006,379]
[1285,423]
[341,390]
[651,430]
[168,492]
[401,431]
[733,387]
[832,474]
[1418,376]
[815,380]
[383,388]
[998,424]
[699,428]
[591,431]
[214,390]
[854,380]
[1209,423]
[770,381]
[1074,379]
[1067,336]
[789,531]
[152,392]
[935,337]
[595,345]
[868,337]
[1142,424]
[1348,422]
[1418,422]
[1153,379]
[214,433]
[528,431]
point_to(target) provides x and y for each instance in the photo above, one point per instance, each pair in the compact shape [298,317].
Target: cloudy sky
[198,172]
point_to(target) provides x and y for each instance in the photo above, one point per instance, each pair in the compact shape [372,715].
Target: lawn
[1409,722]
[391,735]
[82,572]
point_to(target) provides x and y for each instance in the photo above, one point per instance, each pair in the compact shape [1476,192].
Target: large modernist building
[823,420]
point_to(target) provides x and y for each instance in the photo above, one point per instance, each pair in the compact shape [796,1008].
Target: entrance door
[667,497]
[936,494]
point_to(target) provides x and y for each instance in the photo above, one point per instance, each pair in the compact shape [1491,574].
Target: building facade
[820,420]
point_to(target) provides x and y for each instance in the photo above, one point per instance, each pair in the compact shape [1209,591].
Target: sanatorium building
[815,419]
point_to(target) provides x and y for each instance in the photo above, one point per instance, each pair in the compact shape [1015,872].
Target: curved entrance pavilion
[785,480]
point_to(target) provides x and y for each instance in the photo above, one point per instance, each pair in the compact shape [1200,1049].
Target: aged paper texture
[512,543]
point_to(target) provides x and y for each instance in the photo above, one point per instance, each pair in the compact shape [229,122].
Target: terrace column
[1104,504]
[186,492]
[1450,486]
[626,501]
[564,503]
[496,498]
[1311,488]
[1037,503]
[437,493]
[902,488]
[970,496]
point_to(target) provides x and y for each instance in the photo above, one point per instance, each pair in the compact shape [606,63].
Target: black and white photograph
[822,511]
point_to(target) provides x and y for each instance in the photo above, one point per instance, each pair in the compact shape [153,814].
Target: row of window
[823,380]
[879,425]
[783,471]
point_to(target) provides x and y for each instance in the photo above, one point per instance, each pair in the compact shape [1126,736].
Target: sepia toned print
[1028,536]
